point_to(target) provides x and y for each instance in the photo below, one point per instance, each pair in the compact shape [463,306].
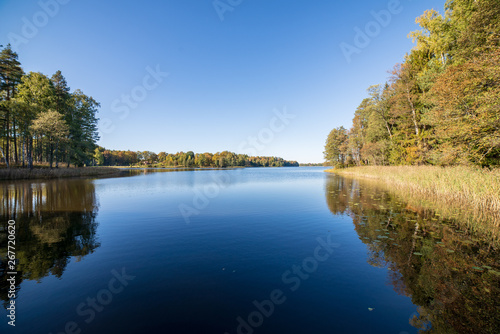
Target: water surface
[263,250]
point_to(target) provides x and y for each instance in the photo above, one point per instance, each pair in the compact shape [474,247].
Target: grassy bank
[471,194]
[54,173]
[479,188]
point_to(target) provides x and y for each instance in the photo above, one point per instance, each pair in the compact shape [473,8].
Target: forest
[42,121]
[188,159]
[441,105]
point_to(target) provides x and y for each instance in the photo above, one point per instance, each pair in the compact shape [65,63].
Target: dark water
[289,250]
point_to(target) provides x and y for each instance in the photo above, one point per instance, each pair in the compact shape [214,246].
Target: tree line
[441,105]
[104,157]
[42,121]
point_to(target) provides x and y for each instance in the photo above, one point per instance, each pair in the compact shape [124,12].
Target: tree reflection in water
[451,275]
[55,221]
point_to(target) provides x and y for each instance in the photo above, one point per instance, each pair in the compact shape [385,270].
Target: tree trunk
[30,153]
[6,160]
[381,113]
[414,114]
[51,154]
[23,151]
[57,154]
[36,150]
[7,129]
[388,128]
[32,150]
[16,159]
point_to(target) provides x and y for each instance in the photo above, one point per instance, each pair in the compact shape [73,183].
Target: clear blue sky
[225,76]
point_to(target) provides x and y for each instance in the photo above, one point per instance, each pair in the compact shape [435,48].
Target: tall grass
[470,195]
[47,173]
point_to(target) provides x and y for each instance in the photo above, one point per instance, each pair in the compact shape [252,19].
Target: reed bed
[54,173]
[474,193]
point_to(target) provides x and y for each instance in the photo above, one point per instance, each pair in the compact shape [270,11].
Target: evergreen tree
[63,106]
[10,76]
[83,134]
[36,94]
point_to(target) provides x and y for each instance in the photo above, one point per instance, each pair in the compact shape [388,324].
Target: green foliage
[41,119]
[336,148]
[468,124]
[83,127]
[442,103]
[51,129]
[10,76]
[98,157]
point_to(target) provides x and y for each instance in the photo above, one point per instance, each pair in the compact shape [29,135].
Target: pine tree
[62,103]
[10,75]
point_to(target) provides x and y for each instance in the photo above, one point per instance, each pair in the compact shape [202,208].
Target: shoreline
[473,186]
[177,167]
[470,193]
[13,174]
[45,173]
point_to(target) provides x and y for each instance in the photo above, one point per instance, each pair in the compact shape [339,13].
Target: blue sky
[227,78]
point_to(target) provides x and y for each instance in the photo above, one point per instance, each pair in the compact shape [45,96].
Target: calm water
[289,250]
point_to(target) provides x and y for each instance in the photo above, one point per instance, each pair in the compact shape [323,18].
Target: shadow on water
[55,221]
[452,276]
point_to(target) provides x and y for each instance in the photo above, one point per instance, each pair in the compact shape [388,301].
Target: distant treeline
[188,159]
[41,120]
[441,106]
[319,164]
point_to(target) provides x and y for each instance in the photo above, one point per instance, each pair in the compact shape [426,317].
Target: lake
[256,250]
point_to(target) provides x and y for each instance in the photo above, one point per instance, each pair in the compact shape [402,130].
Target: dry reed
[474,193]
[54,173]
